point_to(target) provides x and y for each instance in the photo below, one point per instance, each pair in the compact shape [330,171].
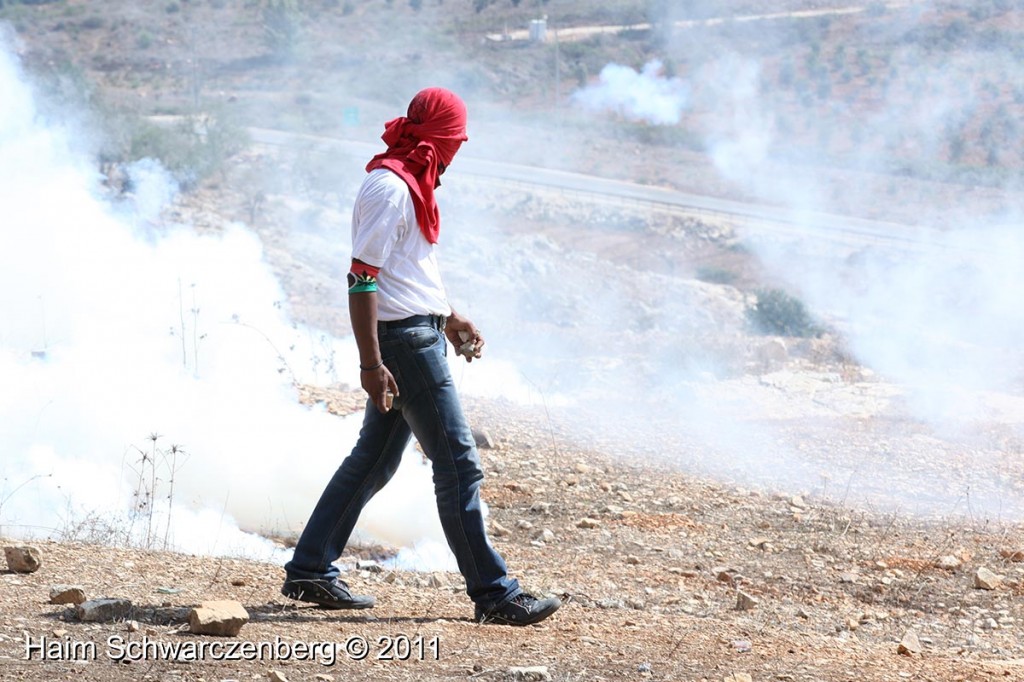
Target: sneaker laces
[523,599]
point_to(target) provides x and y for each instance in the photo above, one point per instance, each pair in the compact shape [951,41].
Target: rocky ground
[666,574]
[676,559]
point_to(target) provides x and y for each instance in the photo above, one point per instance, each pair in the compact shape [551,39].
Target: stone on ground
[984,579]
[223,618]
[537,673]
[103,610]
[744,601]
[23,559]
[910,644]
[67,594]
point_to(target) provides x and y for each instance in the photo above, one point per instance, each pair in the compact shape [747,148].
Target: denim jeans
[428,407]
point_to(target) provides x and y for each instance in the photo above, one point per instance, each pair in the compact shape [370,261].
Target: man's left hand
[457,323]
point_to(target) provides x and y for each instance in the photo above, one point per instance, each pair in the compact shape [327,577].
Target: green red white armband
[362,278]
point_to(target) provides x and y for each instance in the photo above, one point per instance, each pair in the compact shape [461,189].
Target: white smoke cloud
[941,318]
[114,326]
[932,310]
[742,135]
[644,95]
[938,317]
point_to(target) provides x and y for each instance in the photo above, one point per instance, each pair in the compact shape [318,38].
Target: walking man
[400,318]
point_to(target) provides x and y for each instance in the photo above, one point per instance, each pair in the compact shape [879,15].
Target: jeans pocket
[432,364]
[420,338]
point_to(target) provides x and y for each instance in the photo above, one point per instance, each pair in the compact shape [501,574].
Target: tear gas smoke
[646,95]
[647,362]
[940,317]
[106,297]
[936,318]
[115,326]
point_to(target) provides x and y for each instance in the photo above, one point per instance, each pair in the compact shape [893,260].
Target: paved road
[574,33]
[769,219]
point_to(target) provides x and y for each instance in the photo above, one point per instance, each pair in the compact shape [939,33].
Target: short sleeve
[375,229]
[379,217]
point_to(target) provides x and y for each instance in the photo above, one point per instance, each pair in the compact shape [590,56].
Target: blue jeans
[428,407]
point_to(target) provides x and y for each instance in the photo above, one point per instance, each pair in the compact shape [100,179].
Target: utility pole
[558,72]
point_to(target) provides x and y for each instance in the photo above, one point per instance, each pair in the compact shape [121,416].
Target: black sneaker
[328,594]
[522,609]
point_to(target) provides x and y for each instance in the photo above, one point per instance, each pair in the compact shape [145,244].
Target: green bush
[778,313]
[192,150]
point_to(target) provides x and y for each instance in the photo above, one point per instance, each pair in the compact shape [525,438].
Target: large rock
[985,579]
[910,645]
[104,610]
[221,618]
[23,559]
[67,594]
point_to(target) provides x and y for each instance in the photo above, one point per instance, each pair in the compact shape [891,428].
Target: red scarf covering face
[420,146]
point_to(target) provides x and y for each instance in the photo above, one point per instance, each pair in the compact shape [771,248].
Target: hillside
[652,585]
[740,447]
[893,99]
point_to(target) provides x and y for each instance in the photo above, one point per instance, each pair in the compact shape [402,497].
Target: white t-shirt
[386,235]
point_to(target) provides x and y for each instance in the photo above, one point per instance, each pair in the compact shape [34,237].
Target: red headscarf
[420,146]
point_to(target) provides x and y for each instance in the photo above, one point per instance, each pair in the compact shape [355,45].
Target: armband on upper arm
[362,277]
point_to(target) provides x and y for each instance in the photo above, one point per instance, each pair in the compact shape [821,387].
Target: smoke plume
[646,95]
[148,370]
[926,298]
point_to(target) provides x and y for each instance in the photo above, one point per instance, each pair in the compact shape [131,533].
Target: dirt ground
[666,573]
[669,578]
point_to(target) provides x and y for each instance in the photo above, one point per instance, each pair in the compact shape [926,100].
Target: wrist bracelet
[370,369]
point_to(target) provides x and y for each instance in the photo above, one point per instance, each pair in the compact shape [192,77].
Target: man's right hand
[377,382]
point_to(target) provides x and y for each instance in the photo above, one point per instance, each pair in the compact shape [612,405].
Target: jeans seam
[458,477]
[352,500]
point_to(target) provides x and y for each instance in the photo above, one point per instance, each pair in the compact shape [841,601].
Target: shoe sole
[333,604]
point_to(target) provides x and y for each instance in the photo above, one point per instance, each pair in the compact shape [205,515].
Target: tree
[281,27]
